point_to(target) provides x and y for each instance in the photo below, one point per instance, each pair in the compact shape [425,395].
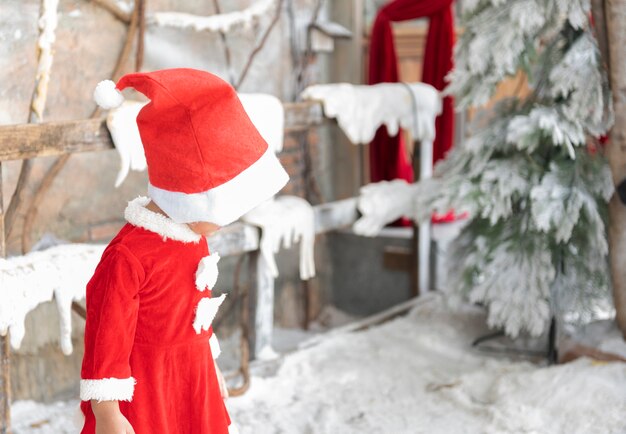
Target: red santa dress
[148,337]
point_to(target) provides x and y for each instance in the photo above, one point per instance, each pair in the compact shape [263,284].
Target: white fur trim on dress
[207,273]
[138,215]
[232,429]
[206,311]
[107,96]
[225,203]
[107,389]
[216,350]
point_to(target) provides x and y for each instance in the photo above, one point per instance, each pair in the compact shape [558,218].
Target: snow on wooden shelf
[361,109]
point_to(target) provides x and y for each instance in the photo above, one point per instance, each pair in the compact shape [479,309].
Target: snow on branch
[219,22]
[360,109]
[60,272]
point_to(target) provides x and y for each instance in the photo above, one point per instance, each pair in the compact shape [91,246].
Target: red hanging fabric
[387,157]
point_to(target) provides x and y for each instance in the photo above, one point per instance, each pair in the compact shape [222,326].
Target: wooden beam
[19,142]
[302,115]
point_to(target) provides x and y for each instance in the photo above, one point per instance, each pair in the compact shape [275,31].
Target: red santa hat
[206,160]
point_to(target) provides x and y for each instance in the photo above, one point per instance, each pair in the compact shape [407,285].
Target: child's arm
[112,308]
[109,418]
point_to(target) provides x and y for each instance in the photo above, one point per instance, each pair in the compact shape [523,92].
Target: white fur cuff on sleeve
[215,346]
[107,389]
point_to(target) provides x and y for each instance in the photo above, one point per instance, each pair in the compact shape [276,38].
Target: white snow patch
[415,374]
[38,418]
[361,109]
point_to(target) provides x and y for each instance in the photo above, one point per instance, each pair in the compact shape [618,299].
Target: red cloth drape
[387,157]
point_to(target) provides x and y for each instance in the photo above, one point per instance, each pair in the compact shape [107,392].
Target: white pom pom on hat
[107,95]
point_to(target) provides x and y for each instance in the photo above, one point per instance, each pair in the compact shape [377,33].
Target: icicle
[286,220]
[122,124]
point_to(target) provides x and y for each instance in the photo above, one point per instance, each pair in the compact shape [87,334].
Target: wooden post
[253,261]
[615,13]
[264,310]
[426,171]
[5,350]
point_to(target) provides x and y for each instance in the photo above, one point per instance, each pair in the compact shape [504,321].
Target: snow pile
[360,109]
[417,374]
[286,220]
[246,18]
[60,272]
[30,417]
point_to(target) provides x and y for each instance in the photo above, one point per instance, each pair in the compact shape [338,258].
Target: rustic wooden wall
[82,204]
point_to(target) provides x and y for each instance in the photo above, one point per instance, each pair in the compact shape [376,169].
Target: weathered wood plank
[19,142]
[302,115]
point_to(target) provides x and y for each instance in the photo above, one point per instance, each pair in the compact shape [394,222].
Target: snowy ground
[415,374]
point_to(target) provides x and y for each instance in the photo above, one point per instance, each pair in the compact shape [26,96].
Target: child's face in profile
[204,228]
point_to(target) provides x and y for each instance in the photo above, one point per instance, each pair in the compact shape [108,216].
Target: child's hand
[109,418]
[221,382]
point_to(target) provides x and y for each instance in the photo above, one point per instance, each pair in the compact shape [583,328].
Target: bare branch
[260,45]
[227,55]
[114,9]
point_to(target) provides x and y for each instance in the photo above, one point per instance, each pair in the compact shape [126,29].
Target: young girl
[149,356]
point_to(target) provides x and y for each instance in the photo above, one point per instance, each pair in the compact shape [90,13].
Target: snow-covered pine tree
[533,183]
